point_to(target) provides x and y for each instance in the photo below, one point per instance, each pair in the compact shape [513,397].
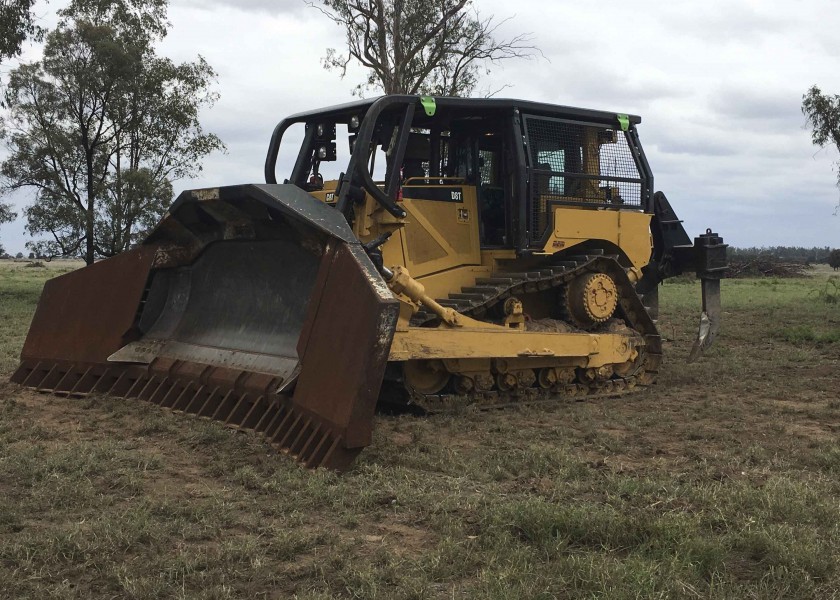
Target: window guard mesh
[580,165]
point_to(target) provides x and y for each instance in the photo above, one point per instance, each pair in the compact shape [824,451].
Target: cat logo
[330,198]
[457,196]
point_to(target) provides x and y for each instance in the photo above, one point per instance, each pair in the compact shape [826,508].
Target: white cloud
[718,84]
[269,7]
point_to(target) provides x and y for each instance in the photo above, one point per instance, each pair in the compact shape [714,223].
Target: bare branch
[428,46]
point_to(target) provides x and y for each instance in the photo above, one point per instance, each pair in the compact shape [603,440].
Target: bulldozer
[432,253]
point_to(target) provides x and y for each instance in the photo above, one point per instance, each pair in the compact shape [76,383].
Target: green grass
[722,481]
[830,291]
[805,334]
[20,287]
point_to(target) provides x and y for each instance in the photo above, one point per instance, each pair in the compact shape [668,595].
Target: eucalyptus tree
[823,114]
[435,47]
[102,125]
[17,23]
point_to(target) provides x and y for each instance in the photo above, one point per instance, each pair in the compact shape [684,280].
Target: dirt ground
[721,481]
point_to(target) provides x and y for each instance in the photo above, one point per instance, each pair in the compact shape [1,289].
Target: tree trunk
[89,254]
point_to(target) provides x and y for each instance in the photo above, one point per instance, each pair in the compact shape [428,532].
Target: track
[482,299]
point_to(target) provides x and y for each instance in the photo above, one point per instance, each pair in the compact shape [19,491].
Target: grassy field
[722,481]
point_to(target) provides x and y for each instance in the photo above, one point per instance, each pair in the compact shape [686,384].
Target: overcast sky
[718,84]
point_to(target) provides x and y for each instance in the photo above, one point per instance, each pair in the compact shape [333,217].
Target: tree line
[101,126]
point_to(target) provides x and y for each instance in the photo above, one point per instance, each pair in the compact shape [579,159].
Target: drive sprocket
[590,299]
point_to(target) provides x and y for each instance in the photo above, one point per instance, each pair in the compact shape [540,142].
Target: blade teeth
[206,406]
[181,401]
[318,452]
[59,385]
[101,380]
[302,453]
[43,386]
[160,391]
[240,410]
[288,432]
[224,407]
[324,461]
[142,394]
[252,417]
[29,379]
[195,399]
[297,445]
[118,388]
[269,423]
[209,407]
[309,440]
[78,387]
[171,394]
[139,383]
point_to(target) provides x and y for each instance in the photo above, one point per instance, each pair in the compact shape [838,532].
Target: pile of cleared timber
[765,266]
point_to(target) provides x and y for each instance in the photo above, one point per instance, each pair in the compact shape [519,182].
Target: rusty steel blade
[253,305]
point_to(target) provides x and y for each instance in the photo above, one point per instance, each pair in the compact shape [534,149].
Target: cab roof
[460,107]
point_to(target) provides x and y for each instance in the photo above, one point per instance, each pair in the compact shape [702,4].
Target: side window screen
[488,163]
[552,162]
[577,163]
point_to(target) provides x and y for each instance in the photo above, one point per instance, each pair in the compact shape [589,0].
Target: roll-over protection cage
[565,156]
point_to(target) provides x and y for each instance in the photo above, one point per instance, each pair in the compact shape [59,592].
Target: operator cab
[438,165]
[499,168]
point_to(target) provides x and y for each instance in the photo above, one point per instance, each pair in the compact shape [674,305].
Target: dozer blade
[254,305]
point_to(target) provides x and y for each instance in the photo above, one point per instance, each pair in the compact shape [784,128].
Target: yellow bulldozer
[471,252]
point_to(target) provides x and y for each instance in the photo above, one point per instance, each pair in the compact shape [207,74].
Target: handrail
[357,167]
[358,160]
[274,149]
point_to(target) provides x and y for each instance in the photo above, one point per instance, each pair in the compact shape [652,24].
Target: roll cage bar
[357,179]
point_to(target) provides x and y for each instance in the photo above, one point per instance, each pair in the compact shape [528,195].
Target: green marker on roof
[429,105]
[624,121]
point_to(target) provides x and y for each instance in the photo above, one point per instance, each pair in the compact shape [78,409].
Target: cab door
[493,193]
[442,224]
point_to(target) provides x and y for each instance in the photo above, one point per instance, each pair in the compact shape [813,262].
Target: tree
[834,259]
[823,114]
[16,24]
[6,215]
[423,46]
[102,126]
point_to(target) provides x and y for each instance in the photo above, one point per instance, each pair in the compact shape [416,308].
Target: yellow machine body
[467,252]
[438,243]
